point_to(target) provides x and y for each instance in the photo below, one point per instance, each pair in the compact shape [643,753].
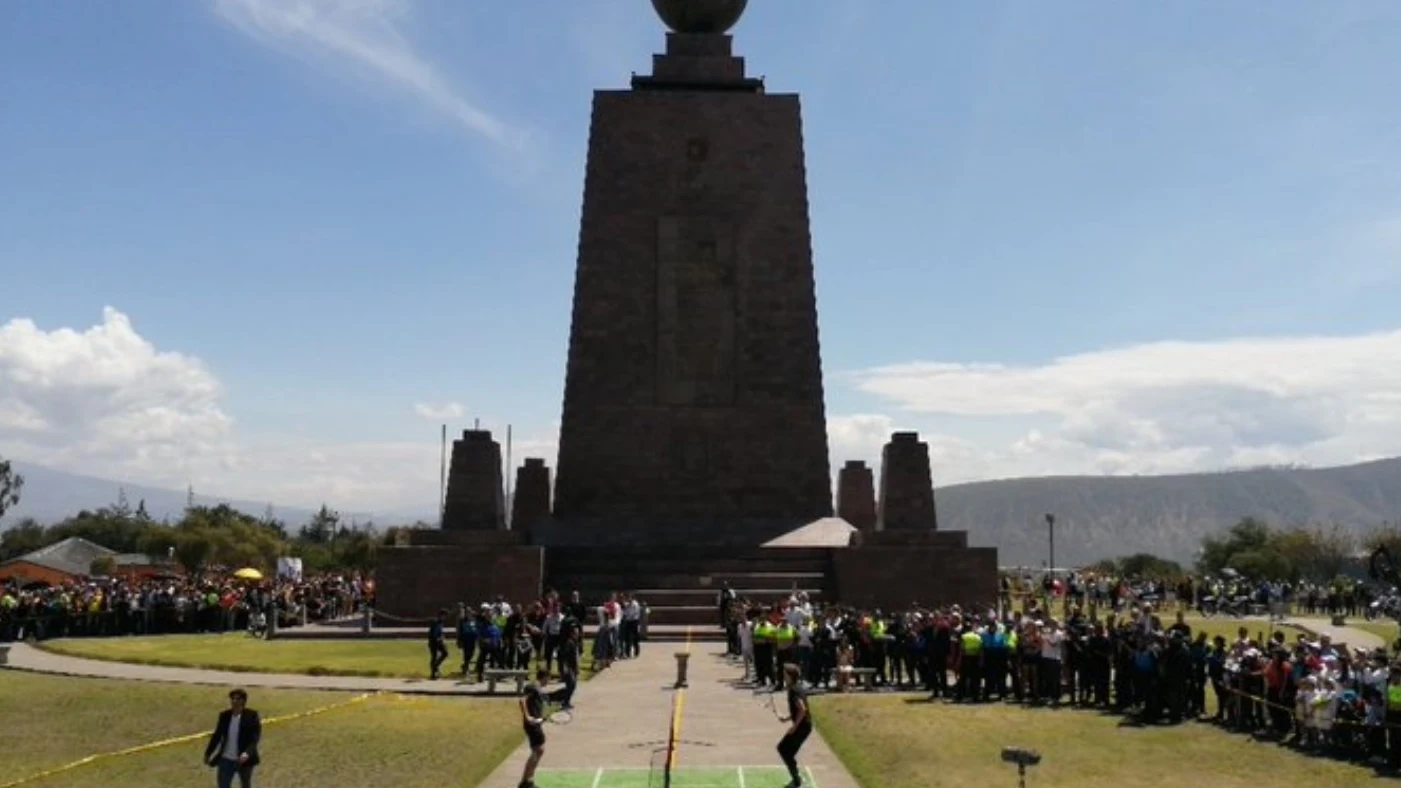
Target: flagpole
[443,477]
[508,472]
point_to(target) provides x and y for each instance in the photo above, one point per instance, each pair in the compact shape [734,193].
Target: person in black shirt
[437,645]
[800,725]
[533,718]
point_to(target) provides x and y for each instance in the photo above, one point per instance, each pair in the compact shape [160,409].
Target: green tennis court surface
[699,777]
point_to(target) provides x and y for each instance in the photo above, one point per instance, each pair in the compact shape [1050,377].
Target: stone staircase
[681,586]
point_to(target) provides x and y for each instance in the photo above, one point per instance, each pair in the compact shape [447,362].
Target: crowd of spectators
[548,632]
[213,602]
[1114,652]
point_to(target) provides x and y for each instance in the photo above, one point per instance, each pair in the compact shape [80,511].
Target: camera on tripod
[1020,757]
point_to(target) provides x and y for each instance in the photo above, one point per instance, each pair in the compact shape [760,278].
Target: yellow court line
[675,727]
[167,742]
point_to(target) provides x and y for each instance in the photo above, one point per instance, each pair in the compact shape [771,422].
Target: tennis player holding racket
[533,718]
[800,725]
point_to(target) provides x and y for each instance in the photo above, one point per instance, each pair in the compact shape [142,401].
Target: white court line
[598,777]
[811,780]
[741,776]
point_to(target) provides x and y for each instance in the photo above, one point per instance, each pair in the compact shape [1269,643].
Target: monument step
[674,615]
[694,567]
[671,597]
[595,586]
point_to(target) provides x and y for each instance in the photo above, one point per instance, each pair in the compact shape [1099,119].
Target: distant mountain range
[51,495]
[1096,516]
[1108,516]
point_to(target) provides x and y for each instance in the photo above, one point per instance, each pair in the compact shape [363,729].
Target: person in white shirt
[1052,642]
[233,747]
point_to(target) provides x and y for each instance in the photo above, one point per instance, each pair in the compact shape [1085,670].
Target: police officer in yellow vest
[765,636]
[786,644]
[970,664]
[878,647]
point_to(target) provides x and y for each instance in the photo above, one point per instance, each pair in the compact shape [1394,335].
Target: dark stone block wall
[475,496]
[906,485]
[694,382]
[415,582]
[893,578]
[856,495]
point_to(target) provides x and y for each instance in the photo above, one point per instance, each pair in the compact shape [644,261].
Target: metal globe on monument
[700,16]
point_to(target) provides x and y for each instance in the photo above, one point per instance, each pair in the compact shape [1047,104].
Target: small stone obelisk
[475,498]
[906,485]
[856,495]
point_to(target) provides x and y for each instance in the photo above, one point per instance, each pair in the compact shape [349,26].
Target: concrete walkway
[25,657]
[621,720]
[1353,636]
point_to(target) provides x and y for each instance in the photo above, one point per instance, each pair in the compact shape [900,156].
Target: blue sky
[344,210]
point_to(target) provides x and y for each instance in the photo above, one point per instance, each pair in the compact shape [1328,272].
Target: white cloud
[1167,406]
[370,38]
[102,393]
[105,401]
[444,412]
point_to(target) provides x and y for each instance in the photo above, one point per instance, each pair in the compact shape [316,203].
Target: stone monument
[856,495]
[693,391]
[530,502]
[906,485]
[475,498]
[693,442]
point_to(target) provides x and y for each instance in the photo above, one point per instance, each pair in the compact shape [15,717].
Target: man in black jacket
[233,747]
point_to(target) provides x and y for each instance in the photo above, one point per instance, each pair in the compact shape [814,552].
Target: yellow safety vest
[972,643]
[877,628]
[1012,640]
[786,635]
[1393,697]
[763,632]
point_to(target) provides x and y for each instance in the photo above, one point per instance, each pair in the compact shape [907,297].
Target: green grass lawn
[385,740]
[238,652]
[894,742]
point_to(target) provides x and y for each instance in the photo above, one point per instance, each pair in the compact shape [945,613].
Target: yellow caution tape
[177,740]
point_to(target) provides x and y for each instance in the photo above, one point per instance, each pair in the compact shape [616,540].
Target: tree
[193,548]
[1218,552]
[103,566]
[11,483]
[25,537]
[322,527]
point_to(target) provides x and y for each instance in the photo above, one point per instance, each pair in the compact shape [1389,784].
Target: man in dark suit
[233,747]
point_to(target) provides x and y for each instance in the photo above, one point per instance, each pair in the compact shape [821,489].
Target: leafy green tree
[24,537]
[11,483]
[194,547]
[322,526]
[1218,552]
[103,566]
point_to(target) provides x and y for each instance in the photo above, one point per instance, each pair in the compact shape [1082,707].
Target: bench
[495,675]
[865,677]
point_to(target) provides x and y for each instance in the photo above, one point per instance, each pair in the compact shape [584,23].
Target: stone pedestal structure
[475,497]
[530,504]
[693,393]
[906,485]
[856,495]
[693,436]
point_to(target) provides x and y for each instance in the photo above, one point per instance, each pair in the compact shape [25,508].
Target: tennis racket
[770,701]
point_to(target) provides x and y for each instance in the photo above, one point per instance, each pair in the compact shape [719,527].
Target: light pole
[1051,537]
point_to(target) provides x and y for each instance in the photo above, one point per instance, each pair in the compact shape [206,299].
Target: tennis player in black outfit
[533,718]
[800,725]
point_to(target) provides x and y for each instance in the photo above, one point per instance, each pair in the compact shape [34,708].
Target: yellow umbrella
[248,573]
